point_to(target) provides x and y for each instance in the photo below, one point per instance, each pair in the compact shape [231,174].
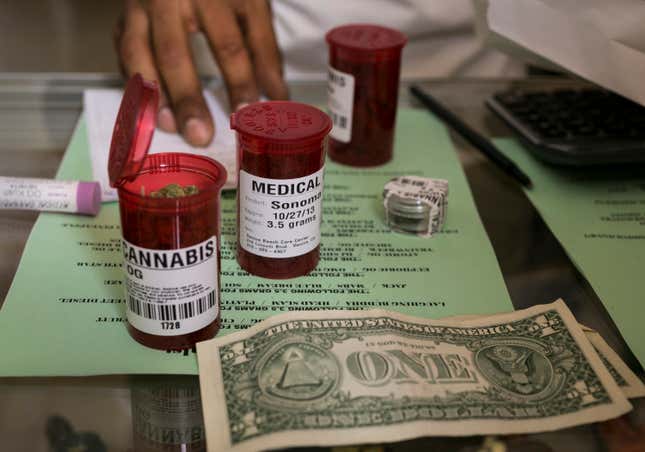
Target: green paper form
[598,215]
[64,314]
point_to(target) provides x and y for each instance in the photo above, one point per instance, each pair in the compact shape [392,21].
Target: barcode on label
[339,120]
[172,312]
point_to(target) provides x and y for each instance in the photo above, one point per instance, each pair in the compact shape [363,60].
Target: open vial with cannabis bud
[170,222]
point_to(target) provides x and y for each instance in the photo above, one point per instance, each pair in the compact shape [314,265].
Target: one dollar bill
[354,377]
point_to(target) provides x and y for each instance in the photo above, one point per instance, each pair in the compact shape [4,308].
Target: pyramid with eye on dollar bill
[297,373]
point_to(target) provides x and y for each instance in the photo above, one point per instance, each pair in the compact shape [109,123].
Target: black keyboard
[568,127]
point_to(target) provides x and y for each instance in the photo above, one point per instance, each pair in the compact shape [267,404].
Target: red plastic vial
[170,244]
[363,87]
[281,154]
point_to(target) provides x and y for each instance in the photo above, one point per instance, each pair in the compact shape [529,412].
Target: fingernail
[241,105]
[166,120]
[196,132]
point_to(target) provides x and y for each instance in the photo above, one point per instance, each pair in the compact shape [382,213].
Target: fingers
[154,42]
[262,42]
[219,23]
[173,58]
[132,42]
[189,16]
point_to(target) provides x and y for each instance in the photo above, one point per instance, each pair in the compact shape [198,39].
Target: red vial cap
[133,130]
[367,38]
[277,126]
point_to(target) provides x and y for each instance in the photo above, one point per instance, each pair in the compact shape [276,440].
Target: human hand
[152,38]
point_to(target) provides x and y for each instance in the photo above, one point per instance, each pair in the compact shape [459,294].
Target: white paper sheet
[101,107]
[603,41]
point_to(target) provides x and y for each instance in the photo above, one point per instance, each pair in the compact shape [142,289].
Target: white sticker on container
[340,102]
[280,217]
[38,194]
[171,292]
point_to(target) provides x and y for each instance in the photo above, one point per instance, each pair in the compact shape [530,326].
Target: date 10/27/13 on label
[280,218]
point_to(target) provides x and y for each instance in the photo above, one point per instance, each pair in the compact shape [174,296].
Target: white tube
[50,195]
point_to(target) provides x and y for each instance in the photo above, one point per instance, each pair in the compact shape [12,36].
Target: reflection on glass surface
[167,414]
[62,437]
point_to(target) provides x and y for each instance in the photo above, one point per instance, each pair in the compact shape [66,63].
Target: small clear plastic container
[170,244]
[409,215]
[167,414]
[364,70]
[281,154]
[415,205]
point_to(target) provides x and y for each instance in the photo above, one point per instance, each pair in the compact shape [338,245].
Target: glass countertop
[38,113]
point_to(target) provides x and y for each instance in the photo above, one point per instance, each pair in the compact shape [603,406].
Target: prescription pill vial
[170,245]
[363,86]
[281,154]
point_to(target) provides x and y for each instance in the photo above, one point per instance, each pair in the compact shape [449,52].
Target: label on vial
[171,292]
[340,102]
[38,194]
[280,217]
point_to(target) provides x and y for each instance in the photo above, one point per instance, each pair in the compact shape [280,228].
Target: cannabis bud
[175,191]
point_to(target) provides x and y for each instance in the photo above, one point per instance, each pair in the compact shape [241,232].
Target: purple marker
[50,195]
